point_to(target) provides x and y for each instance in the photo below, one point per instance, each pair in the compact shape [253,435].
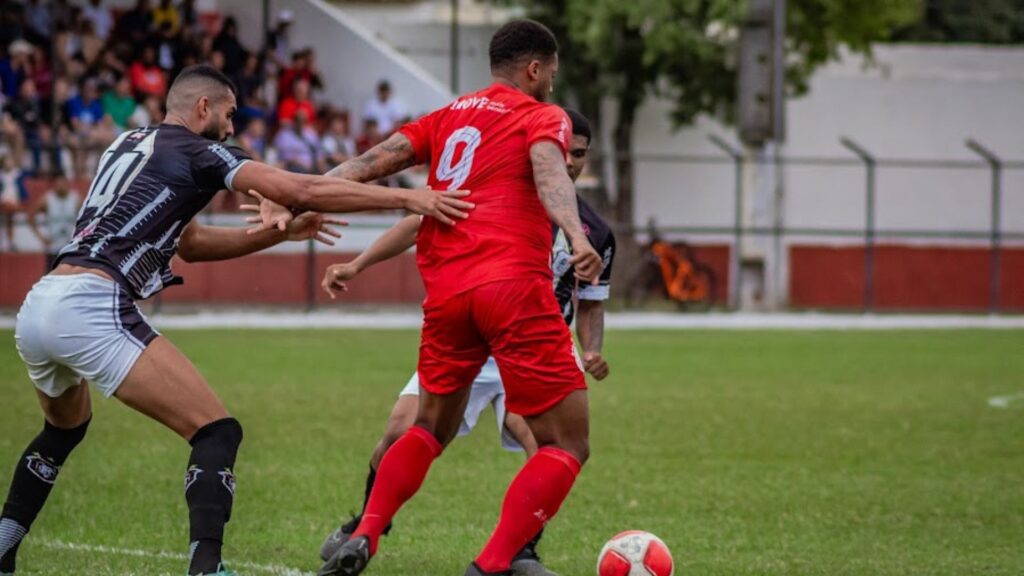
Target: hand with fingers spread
[316,226]
[336,275]
[441,205]
[271,214]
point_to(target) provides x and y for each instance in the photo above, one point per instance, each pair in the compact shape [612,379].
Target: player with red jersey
[488,281]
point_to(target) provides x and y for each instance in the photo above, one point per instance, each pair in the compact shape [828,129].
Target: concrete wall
[350,57]
[917,103]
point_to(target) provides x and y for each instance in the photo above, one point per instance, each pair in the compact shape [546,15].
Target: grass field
[828,453]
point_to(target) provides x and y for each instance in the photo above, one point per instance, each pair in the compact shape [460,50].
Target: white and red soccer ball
[635,553]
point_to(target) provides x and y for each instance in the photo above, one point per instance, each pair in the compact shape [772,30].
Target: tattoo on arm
[390,156]
[590,325]
[556,190]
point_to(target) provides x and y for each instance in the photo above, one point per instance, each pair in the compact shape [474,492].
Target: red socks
[534,497]
[399,476]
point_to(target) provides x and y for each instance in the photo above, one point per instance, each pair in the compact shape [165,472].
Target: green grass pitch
[749,453]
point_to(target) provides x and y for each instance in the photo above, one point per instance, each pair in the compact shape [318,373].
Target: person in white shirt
[385,109]
[100,17]
[61,206]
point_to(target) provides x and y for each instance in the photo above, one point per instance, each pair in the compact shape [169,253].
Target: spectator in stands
[27,112]
[102,21]
[249,79]
[303,67]
[148,112]
[254,138]
[168,47]
[119,104]
[299,100]
[12,194]
[42,74]
[227,44]
[15,67]
[191,27]
[296,145]
[336,145]
[134,25]
[92,130]
[38,19]
[167,13]
[12,24]
[147,78]
[278,44]
[90,42]
[385,109]
[61,205]
[371,136]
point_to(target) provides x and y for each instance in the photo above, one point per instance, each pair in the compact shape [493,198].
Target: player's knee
[226,433]
[580,450]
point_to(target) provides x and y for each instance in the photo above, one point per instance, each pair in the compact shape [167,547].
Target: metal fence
[860,156]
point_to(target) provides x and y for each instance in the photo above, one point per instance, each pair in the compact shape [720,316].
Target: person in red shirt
[148,78]
[299,100]
[488,281]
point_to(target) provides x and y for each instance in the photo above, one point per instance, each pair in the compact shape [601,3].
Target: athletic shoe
[530,567]
[335,539]
[474,570]
[527,561]
[350,559]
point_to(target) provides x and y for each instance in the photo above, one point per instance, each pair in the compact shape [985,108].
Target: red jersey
[481,143]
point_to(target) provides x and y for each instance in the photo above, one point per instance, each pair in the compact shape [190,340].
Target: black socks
[210,491]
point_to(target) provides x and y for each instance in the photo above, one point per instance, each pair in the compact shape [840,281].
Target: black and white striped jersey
[602,239]
[149,185]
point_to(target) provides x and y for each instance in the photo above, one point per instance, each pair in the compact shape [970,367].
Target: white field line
[1007,400]
[98,549]
[614,321]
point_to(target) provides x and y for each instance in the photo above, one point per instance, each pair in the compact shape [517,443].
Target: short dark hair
[204,72]
[195,81]
[580,124]
[519,40]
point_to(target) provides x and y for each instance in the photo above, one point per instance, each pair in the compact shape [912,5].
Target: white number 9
[458,173]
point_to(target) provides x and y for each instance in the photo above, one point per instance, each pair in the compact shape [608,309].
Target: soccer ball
[635,553]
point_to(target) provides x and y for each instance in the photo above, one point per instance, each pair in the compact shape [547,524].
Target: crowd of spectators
[73,77]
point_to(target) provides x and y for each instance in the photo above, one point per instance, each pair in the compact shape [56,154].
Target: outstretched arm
[390,156]
[393,242]
[558,194]
[305,192]
[201,243]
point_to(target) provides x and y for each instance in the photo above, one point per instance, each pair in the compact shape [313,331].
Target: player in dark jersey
[80,323]
[487,389]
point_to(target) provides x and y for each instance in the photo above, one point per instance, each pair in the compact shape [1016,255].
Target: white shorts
[487,391]
[80,326]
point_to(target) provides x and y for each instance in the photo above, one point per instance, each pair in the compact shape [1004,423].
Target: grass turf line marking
[99,549]
[1007,400]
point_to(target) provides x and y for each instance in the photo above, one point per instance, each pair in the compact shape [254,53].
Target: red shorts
[516,321]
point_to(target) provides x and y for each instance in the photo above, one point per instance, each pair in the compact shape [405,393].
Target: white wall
[349,56]
[917,103]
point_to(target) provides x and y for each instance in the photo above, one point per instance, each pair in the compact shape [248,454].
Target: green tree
[686,51]
[976,21]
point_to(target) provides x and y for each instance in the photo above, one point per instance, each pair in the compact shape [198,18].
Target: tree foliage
[976,21]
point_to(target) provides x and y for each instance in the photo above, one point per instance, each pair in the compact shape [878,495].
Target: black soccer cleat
[474,570]
[340,535]
[335,539]
[350,559]
[527,561]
